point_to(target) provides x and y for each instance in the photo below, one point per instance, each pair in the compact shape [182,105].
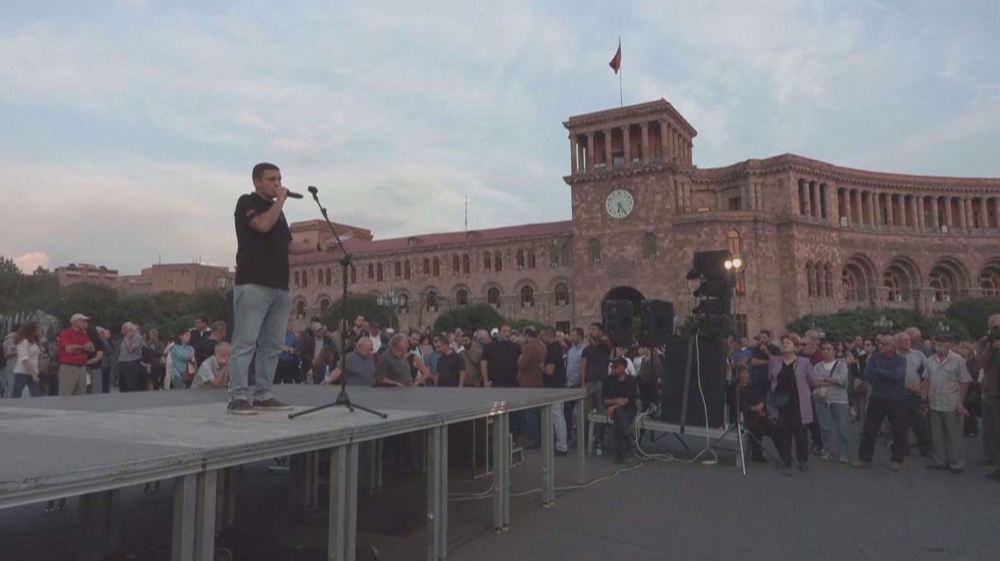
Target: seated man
[214,372]
[746,399]
[619,394]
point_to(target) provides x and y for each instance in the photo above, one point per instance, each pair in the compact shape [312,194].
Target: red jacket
[70,336]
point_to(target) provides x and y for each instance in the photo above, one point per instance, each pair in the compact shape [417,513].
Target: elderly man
[989,359]
[618,393]
[214,371]
[916,364]
[886,374]
[359,365]
[473,354]
[944,394]
[394,368]
[917,341]
[74,344]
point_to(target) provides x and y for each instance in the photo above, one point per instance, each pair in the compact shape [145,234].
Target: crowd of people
[804,393]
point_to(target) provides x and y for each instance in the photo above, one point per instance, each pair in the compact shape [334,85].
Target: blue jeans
[261,319]
[22,381]
[834,419]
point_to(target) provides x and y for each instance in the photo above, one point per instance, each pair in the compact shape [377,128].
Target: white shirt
[206,373]
[27,353]
[376,343]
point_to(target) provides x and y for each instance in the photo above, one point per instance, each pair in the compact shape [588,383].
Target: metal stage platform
[91,446]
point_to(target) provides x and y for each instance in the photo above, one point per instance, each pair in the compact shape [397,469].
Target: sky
[129,128]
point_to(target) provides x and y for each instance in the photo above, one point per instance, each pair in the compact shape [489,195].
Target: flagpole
[621,97]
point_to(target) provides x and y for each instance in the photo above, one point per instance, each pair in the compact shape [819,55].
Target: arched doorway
[624,293]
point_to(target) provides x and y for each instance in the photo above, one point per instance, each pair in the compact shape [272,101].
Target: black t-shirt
[598,357]
[614,389]
[554,355]
[501,359]
[449,369]
[787,384]
[204,350]
[261,259]
[760,373]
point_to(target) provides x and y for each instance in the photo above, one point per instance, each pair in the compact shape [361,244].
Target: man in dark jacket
[886,374]
[989,359]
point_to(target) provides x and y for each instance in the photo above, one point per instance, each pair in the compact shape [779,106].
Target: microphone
[294,195]
[313,190]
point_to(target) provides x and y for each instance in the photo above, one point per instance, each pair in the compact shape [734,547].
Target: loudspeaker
[618,321]
[676,384]
[657,322]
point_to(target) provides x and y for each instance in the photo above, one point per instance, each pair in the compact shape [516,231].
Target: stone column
[627,144]
[590,151]
[890,211]
[664,141]
[644,139]
[854,206]
[963,216]
[873,208]
[983,222]
[918,212]
[607,149]
[572,155]
[813,195]
[935,218]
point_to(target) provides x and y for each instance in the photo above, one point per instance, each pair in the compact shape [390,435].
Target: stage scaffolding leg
[185,497]
[437,493]
[342,522]
[582,443]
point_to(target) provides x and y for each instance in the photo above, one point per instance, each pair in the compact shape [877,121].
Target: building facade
[177,277]
[815,237]
[73,273]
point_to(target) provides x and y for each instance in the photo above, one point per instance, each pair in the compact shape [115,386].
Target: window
[493,297]
[300,309]
[989,280]
[740,325]
[520,259]
[649,245]
[828,281]
[404,303]
[398,269]
[466,264]
[497,262]
[531,259]
[305,278]
[564,254]
[562,294]
[354,275]
[594,246]
[432,301]
[324,305]
[462,297]
[487,261]
[371,272]
[427,266]
[734,203]
[554,256]
[406,269]
[437,267]
[527,296]
[297,281]
[378,272]
[562,326]
[329,277]
[455,264]
[733,243]
[810,280]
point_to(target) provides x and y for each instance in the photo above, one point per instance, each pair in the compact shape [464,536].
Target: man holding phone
[74,344]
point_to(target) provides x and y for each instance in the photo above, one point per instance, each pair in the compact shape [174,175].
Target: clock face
[619,204]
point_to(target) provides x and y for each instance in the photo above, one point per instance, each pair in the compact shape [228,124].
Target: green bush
[846,324]
[520,324]
[360,305]
[468,318]
[972,313]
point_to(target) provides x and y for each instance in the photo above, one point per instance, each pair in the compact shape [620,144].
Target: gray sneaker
[240,407]
[271,404]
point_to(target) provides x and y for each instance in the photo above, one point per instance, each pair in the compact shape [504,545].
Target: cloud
[31,261]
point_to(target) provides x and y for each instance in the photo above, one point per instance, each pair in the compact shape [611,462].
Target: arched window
[493,297]
[297,281]
[462,297]
[406,269]
[849,280]
[520,259]
[404,303]
[432,301]
[734,244]
[398,269]
[989,280]
[594,246]
[324,305]
[527,296]
[819,279]
[329,277]
[554,255]
[300,309]
[810,280]
[564,254]
[378,272]
[562,294]
[455,264]
[466,264]
[305,278]
[531,259]
[371,272]
[427,266]
[649,245]
[487,261]
[894,283]
[942,284]
[497,262]
[437,267]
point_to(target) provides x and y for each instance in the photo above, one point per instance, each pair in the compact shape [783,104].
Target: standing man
[574,376]
[260,297]
[529,375]
[947,381]
[916,364]
[74,344]
[554,376]
[989,359]
[886,374]
[200,331]
[450,365]
[473,355]
[760,360]
[499,362]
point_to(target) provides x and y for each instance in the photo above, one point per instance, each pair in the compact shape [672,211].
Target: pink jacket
[803,381]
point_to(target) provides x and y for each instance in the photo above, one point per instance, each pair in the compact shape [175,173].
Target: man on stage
[260,297]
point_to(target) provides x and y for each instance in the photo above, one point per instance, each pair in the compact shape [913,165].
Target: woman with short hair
[830,397]
[791,384]
[26,373]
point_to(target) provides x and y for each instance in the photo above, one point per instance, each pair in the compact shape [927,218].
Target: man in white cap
[74,344]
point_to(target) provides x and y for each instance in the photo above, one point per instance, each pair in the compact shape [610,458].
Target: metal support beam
[185,497]
[204,529]
[548,457]
[100,525]
[581,439]
[342,522]
[437,493]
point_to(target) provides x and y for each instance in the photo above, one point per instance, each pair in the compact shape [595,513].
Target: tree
[847,324]
[360,305]
[973,313]
[468,318]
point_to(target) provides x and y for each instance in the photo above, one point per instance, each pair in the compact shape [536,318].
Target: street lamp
[883,323]
[943,327]
[389,300]
[734,265]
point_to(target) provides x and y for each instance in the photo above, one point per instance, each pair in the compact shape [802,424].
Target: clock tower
[630,172]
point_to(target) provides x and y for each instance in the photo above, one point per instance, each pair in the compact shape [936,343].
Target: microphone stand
[346,262]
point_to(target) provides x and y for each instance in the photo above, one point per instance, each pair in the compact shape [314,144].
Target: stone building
[815,237]
[73,273]
[177,277]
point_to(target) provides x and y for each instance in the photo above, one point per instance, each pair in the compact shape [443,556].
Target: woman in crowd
[152,360]
[830,397]
[858,386]
[791,384]
[130,373]
[181,354]
[26,372]
[974,395]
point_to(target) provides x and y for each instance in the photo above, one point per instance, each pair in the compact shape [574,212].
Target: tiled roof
[361,247]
